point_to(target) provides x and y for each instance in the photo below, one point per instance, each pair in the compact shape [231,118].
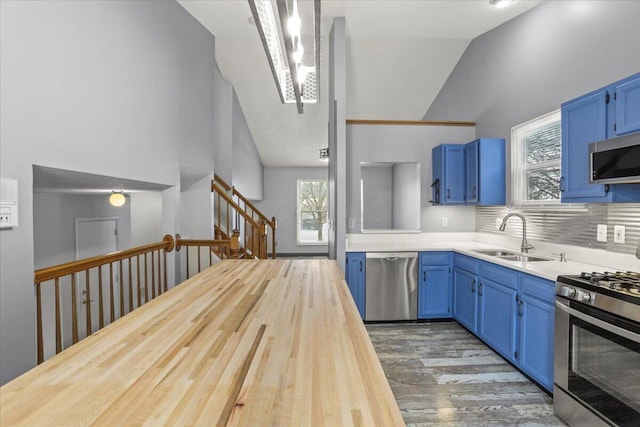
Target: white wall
[146,217]
[280,199]
[223,133]
[247,166]
[406,191]
[393,143]
[121,89]
[530,65]
[377,196]
[54,226]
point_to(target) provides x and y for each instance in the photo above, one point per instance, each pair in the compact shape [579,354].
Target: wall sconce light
[324,154]
[117,198]
[292,52]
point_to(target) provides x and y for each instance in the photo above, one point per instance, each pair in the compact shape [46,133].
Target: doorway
[95,236]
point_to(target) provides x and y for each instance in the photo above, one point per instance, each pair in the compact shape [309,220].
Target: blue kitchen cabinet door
[535,354]
[472,165]
[355,276]
[584,120]
[485,172]
[536,317]
[434,292]
[465,302]
[627,106]
[448,174]
[497,308]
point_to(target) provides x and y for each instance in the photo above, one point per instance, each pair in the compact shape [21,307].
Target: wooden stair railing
[142,285]
[223,248]
[255,227]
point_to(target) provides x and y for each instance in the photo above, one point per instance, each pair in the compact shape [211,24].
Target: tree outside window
[312,211]
[535,161]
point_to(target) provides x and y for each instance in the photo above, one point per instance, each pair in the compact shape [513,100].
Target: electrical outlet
[618,234]
[601,235]
[498,223]
[352,222]
[445,222]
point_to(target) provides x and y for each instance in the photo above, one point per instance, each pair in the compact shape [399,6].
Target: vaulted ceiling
[399,54]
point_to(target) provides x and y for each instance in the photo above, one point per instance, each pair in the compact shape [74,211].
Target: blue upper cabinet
[485,171]
[627,105]
[584,121]
[605,113]
[448,174]
[472,173]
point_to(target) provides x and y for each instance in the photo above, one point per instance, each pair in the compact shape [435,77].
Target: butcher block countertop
[247,343]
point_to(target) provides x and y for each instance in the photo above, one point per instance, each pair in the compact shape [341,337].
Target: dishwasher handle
[392,256]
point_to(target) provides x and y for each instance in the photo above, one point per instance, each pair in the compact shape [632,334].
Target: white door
[95,236]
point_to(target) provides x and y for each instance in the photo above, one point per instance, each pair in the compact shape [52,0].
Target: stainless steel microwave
[615,160]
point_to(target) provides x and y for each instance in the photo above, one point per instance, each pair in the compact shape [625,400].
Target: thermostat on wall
[8,203]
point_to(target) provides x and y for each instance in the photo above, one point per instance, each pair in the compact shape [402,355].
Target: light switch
[618,234]
[601,235]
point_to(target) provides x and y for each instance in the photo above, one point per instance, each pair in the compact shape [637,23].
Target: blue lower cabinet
[434,285]
[497,316]
[536,317]
[355,277]
[510,311]
[465,302]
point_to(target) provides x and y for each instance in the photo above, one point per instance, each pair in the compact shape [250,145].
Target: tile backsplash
[570,224]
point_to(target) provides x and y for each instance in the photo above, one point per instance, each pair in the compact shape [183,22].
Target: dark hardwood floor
[441,375]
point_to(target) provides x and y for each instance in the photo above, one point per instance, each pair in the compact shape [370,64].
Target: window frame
[519,169]
[299,212]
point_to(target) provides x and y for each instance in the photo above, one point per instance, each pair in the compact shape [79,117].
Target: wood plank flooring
[441,375]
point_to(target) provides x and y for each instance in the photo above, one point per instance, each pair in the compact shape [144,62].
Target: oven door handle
[597,322]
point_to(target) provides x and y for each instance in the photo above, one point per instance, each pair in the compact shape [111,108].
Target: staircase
[233,212]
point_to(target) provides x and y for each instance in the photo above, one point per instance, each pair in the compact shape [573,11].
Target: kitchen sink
[510,256]
[495,252]
[522,258]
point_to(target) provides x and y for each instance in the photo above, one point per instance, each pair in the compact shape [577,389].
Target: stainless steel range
[597,349]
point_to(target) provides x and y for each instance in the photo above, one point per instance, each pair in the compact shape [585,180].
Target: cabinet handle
[360,265]
[520,311]
[448,193]
[480,289]
[473,191]
[473,286]
[562,187]
[424,276]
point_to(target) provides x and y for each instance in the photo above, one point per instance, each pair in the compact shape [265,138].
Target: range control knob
[586,297]
[568,292]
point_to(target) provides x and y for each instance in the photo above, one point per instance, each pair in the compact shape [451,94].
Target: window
[535,161]
[312,212]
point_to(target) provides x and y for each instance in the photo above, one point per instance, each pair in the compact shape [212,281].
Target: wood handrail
[218,180]
[222,182]
[146,260]
[50,273]
[253,208]
[232,203]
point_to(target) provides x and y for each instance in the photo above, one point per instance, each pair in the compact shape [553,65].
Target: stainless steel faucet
[525,245]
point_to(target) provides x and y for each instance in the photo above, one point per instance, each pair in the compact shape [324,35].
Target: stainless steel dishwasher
[391,288]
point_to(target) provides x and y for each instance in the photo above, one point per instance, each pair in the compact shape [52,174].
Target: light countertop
[466,243]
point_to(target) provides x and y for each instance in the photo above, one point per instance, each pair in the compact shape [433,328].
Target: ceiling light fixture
[297,75]
[501,3]
[324,154]
[117,199]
